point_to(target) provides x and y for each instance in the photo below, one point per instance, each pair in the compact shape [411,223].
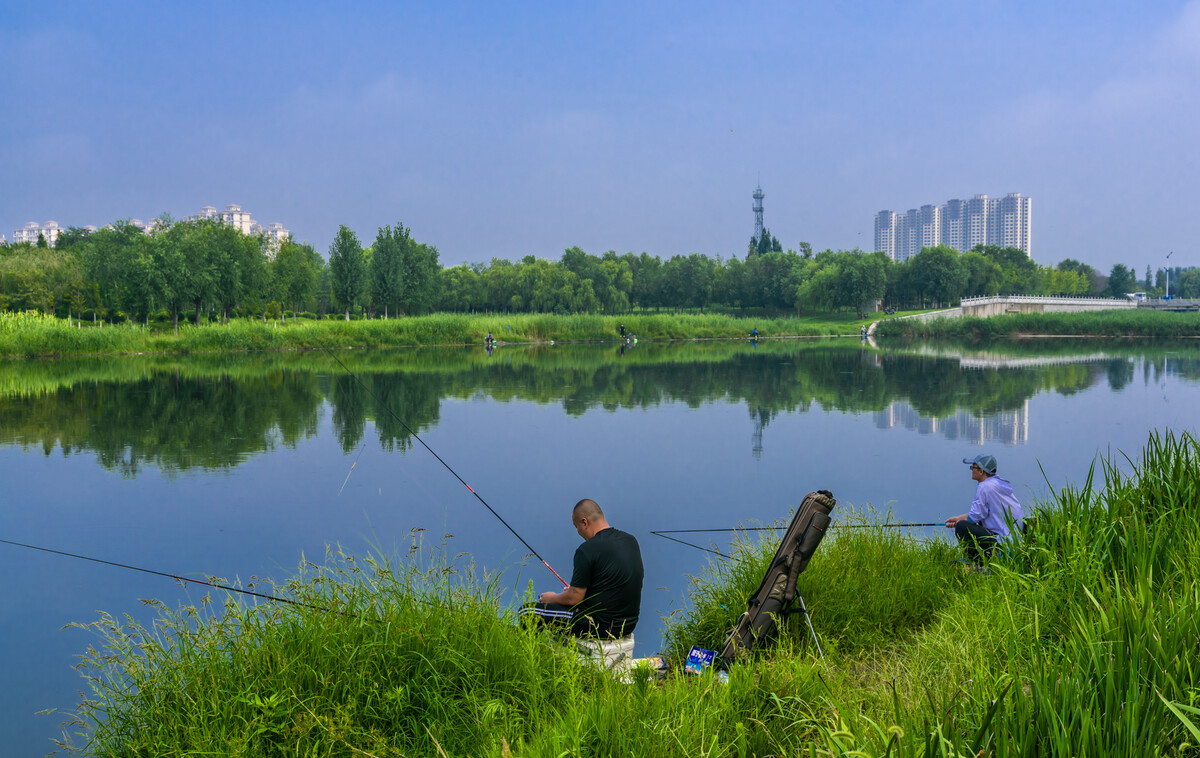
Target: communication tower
[758,222]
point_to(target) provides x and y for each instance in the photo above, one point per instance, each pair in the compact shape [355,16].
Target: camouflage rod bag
[778,588]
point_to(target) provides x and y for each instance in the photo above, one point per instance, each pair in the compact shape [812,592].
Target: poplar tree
[387,268]
[347,271]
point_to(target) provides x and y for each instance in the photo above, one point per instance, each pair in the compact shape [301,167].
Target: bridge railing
[1048,299]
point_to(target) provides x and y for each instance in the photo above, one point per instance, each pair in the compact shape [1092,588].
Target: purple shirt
[994,503]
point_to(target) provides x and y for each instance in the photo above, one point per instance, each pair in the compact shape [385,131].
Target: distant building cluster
[233,215]
[961,224]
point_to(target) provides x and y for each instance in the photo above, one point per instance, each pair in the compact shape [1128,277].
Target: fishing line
[417,437]
[177,577]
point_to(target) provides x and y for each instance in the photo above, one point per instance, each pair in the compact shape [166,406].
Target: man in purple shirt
[994,509]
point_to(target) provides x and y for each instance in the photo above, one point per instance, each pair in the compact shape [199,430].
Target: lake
[242,466]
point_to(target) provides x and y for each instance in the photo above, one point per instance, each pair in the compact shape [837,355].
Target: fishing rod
[417,437]
[664,533]
[692,544]
[898,525]
[207,583]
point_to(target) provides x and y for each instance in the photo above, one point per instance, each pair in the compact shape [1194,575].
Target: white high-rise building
[30,232]
[960,224]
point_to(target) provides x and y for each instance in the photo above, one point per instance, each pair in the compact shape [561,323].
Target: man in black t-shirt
[605,594]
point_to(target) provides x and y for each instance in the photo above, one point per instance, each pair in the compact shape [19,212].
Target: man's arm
[950,522]
[569,596]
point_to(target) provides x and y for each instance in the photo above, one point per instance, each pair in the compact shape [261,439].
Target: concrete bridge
[999,305]
[1170,305]
[982,307]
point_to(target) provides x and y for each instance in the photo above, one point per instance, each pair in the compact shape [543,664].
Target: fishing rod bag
[778,588]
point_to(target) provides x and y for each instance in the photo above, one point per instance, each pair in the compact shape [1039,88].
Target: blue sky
[497,131]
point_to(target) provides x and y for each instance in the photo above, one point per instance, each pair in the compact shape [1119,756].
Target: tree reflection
[215,412]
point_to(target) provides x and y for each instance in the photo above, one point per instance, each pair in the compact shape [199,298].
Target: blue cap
[985,462]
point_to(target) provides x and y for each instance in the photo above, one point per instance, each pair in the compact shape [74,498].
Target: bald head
[588,518]
[588,509]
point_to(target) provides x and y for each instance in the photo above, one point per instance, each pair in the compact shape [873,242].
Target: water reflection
[213,413]
[1005,427]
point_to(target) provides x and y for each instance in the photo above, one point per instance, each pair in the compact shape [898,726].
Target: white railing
[1048,299]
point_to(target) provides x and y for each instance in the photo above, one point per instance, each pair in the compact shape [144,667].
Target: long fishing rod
[664,533]
[897,525]
[417,437]
[207,583]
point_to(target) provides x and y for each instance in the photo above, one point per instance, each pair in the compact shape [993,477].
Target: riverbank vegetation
[204,271]
[1137,322]
[1081,641]
[34,334]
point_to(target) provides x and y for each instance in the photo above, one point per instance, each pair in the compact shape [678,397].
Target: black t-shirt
[609,565]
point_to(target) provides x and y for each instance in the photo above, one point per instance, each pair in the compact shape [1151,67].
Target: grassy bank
[1115,323]
[1080,642]
[30,334]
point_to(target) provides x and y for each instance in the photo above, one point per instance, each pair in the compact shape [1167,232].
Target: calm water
[240,466]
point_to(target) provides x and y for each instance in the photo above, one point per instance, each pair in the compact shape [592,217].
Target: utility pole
[1168,295]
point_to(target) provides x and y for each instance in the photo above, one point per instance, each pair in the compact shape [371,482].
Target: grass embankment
[1081,642]
[1114,323]
[29,334]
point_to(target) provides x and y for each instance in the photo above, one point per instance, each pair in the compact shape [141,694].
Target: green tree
[820,291]
[297,271]
[1018,272]
[645,271]
[459,289]
[983,275]
[420,272]
[1084,270]
[347,274]
[763,244]
[387,268]
[1186,284]
[112,260]
[862,279]
[1121,280]
[171,245]
[70,237]
[240,268]
[938,274]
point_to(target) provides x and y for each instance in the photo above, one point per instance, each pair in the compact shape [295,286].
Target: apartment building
[960,224]
[29,233]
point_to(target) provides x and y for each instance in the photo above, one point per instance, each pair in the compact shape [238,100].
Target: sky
[512,129]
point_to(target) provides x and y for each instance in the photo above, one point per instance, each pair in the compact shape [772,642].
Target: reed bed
[1081,641]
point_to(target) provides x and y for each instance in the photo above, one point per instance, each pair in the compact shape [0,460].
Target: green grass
[1114,323]
[1082,641]
[30,334]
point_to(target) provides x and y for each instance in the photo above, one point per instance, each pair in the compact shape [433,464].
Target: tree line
[207,270]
